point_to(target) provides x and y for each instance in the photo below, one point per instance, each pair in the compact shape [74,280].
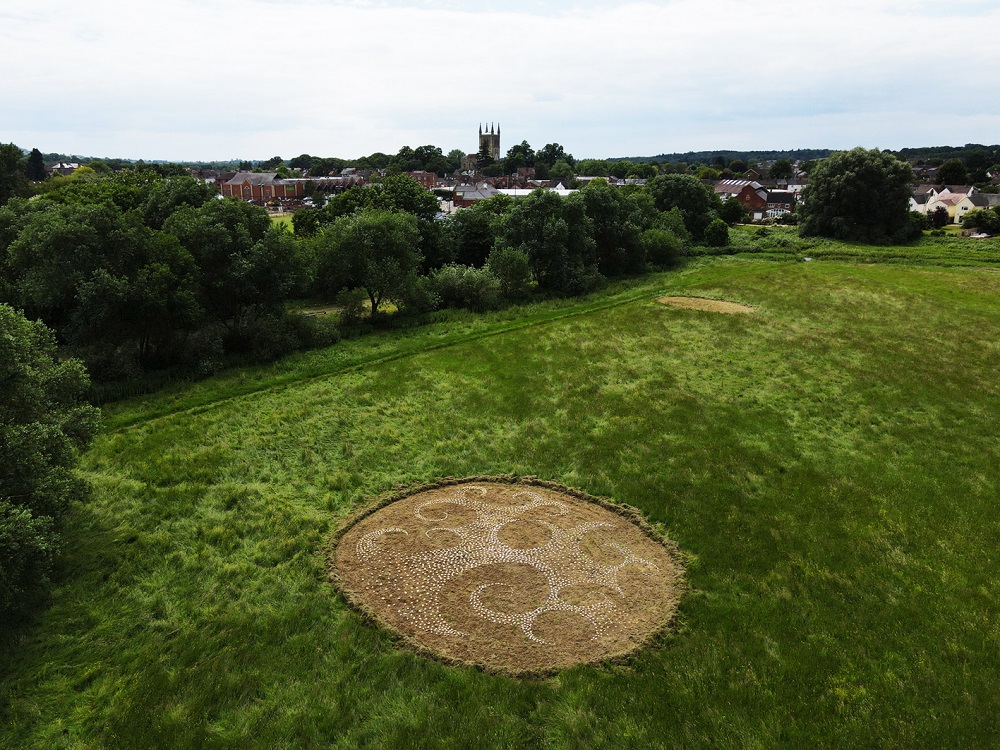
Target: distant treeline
[973,155]
[432,159]
[710,158]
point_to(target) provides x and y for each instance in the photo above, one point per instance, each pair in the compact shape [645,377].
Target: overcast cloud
[220,79]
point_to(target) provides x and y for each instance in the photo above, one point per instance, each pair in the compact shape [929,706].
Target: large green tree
[44,425]
[558,238]
[521,155]
[13,180]
[618,220]
[698,204]
[781,170]
[35,168]
[247,268]
[952,172]
[101,278]
[550,153]
[861,196]
[374,250]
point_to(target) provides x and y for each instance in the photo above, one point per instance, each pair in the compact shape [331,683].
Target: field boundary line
[127,424]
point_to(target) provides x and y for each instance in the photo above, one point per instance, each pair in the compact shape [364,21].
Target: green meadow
[830,465]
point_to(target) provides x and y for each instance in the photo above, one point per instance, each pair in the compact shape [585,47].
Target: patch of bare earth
[513,576]
[707,305]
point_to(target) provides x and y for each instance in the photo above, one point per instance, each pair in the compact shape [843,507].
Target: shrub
[353,304]
[419,296]
[733,212]
[28,545]
[315,331]
[662,247]
[985,220]
[939,218]
[920,220]
[203,351]
[512,270]
[673,221]
[717,234]
[465,286]
[273,336]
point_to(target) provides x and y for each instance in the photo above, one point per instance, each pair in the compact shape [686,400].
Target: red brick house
[427,180]
[780,202]
[261,187]
[264,187]
[749,193]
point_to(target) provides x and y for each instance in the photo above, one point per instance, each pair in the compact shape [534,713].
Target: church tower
[489,142]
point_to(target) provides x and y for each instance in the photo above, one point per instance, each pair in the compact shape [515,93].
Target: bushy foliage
[44,424]
[557,236]
[618,218]
[398,193]
[733,212]
[471,233]
[717,234]
[13,175]
[662,247]
[952,172]
[922,221]
[983,219]
[374,250]
[128,267]
[859,196]
[512,268]
[247,268]
[939,218]
[697,203]
[464,286]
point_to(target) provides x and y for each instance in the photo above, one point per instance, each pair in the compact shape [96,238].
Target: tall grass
[829,463]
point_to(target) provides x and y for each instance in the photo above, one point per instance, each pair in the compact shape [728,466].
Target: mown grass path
[830,464]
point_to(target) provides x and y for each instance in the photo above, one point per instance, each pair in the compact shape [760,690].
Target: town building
[489,142]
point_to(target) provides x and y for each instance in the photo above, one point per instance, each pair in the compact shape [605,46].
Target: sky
[251,79]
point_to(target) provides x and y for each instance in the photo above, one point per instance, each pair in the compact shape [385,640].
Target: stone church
[489,142]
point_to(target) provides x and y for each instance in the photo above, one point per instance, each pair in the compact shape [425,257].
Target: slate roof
[255,178]
[474,192]
[985,200]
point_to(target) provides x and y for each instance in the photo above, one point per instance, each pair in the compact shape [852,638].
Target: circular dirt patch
[707,305]
[514,576]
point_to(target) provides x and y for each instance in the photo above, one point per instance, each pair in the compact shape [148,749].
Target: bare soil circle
[514,576]
[707,305]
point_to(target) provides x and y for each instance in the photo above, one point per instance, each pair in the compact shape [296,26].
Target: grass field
[829,464]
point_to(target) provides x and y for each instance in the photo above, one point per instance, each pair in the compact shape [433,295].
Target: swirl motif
[413,583]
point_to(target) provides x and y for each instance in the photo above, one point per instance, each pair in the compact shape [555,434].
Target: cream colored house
[957,205]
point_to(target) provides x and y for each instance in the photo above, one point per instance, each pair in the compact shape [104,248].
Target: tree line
[138,273]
